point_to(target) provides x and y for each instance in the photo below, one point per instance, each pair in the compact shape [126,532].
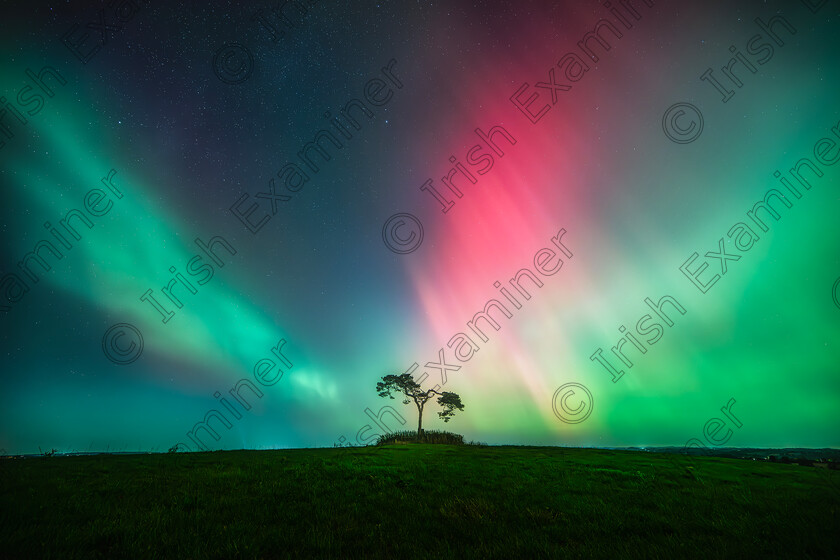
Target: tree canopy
[411,391]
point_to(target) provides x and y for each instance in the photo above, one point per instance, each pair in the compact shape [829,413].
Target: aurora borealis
[534,136]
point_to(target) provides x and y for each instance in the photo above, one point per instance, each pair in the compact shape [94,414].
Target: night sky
[242,189]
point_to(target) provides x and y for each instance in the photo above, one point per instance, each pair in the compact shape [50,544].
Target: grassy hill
[415,501]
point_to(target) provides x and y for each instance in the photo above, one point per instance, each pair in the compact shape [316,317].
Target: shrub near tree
[404,384]
[429,436]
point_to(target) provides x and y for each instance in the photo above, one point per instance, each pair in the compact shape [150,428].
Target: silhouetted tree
[406,385]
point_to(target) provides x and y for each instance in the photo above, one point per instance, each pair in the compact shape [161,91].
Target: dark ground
[416,501]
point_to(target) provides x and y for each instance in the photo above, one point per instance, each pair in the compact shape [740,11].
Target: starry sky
[133,133]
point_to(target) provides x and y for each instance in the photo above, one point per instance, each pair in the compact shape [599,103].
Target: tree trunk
[419,420]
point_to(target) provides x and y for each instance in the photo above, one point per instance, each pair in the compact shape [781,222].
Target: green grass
[414,501]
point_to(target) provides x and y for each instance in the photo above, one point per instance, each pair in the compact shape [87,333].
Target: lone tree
[406,385]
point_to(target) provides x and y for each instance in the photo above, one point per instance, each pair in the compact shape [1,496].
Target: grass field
[415,501]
